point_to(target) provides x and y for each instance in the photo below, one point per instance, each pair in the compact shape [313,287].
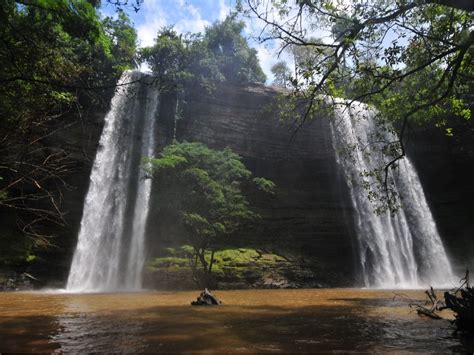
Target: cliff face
[311,214]
[446,168]
[308,220]
[80,140]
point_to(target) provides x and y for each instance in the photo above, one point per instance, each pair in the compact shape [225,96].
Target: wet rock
[206,298]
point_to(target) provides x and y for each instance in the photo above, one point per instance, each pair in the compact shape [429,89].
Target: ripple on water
[249,321]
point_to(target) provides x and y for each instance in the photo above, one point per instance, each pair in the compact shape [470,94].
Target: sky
[189,16]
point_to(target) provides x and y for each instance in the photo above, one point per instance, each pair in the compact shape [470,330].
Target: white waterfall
[402,250]
[110,248]
[136,256]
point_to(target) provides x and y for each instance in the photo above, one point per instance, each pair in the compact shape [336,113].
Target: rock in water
[206,298]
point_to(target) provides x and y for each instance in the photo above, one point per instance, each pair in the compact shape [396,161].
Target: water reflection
[98,333]
[249,321]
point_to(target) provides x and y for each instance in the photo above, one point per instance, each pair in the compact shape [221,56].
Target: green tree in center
[202,194]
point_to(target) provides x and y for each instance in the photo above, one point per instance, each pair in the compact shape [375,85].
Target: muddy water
[249,321]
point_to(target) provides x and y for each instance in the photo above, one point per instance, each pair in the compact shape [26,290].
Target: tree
[221,54]
[236,60]
[56,57]
[201,193]
[181,61]
[412,60]
[123,38]
[282,74]
[402,41]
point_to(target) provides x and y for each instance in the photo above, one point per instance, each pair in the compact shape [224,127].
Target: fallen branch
[435,305]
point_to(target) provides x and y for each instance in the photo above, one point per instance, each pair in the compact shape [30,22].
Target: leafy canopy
[220,54]
[202,193]
[56,57]
[282,74]
[412,59]
[203,189]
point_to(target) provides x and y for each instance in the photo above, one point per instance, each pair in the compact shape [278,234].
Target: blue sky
[194,15]
[188,16]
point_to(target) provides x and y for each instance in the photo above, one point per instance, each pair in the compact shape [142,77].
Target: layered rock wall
[307,217]
[308,220]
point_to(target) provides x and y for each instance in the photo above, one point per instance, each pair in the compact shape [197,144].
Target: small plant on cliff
[202,195]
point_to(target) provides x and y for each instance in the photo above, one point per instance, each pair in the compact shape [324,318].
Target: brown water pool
[311,320]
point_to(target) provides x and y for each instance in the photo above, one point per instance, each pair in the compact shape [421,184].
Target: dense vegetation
[201,194]
[58,61]
[220,54]
[382,52]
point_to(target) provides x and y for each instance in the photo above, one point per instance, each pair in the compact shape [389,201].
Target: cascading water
[403,250]
[110,249]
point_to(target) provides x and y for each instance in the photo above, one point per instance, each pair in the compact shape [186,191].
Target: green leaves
[202,190]
[221,54]
[56,57]
[264,184]
[413,60]
[167,162]
[282,74]
[236,60]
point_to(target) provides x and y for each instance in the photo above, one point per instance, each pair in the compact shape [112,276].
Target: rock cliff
[446,168]
[308,220]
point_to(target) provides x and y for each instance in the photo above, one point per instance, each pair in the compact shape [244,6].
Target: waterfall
[400,250]
[110,248]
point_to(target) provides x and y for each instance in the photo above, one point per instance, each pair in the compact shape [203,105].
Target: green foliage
[412,60]
[264,184]
[221,54]
[229,262]
[30,258]
[51,51]
[56,57]
[282,74]
[123,40]
[15,249]
[169,261]
[169,57]
[236,60]
[201,193]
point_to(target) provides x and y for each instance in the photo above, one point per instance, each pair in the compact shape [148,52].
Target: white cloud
[154,19]
[155,14]
[267,59]
[193,22]
[224,9]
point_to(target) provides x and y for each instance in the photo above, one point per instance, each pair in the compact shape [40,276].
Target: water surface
[249,321]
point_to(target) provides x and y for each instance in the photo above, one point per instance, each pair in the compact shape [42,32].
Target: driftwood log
[433,305]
